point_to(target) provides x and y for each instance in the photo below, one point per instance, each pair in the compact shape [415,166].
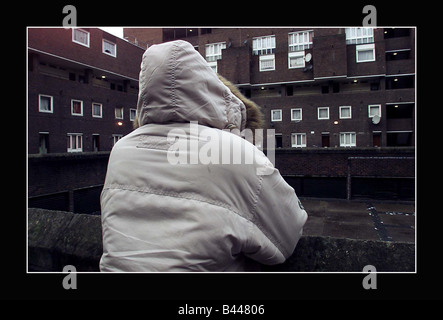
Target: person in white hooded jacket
[175,199]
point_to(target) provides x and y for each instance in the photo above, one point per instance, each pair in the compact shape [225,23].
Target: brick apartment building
[318,87]
[82,89]
[342,102]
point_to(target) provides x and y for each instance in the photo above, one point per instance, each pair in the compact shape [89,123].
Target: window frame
[301,114]
[318,113]
[101,110]
[296,54]
[79,42]
[213,57]
[272,115]
[122,113]
[109,43]
[267,57]
[132,110]
[264,45]
[353,36]
[78,138]
[374,105]
[72,108]
[115,138]
[340,112]
[302,136]
[295,47]
[51,103]
[352,139]
[365,47]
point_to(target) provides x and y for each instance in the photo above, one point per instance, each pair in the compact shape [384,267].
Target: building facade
[82,89]
[317,87]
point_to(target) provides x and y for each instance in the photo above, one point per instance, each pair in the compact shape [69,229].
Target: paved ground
[386,221]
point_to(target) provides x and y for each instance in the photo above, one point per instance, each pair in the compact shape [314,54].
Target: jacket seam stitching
[173,68]
[184,195]
[255,221]
[189,196]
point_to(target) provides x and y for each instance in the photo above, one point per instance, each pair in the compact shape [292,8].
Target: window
[298,140]
[325,139]
[267,63]
[95,142]
[296,59]
[300,40]
[347,139]
[376,139]
[345,112]
[75,142]
[77,107]
[263,45]
[323,113]
[365,52]
[296,114]
[278,140]
[81,37]
[97,110]
[276,115]
[45,103]
[116,137]
[359,35]
[132,114]
[374,110]
[43,142]
[109,48]
[214,51]
[119,113]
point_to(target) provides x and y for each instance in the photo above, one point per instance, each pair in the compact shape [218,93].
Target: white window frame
[263,45]
[51,103]
[132,114]
[363,48]
[296,55]
[352,140]
[359,35]
[300,40]
[86,44]
[341,116]
[292,115]
[213,66]
[101,110]
[266,60]
[318,113]
[370,115]
[296,143]
[74,139]
[115,138]
[272,115]
[113,45]
[72,107]
[115,112]
[213,51]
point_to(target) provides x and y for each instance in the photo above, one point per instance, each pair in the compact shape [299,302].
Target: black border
[269,289]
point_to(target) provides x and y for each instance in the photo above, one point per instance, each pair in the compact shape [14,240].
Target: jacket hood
[177,85]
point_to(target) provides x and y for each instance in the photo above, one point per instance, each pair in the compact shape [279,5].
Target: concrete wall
[57,238]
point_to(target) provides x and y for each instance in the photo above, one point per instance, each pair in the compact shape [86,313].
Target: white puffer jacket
[173,200]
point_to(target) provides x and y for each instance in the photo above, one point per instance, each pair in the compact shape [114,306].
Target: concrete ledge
[57,238]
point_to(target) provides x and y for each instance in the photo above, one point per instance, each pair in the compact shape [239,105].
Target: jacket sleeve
[278,220]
